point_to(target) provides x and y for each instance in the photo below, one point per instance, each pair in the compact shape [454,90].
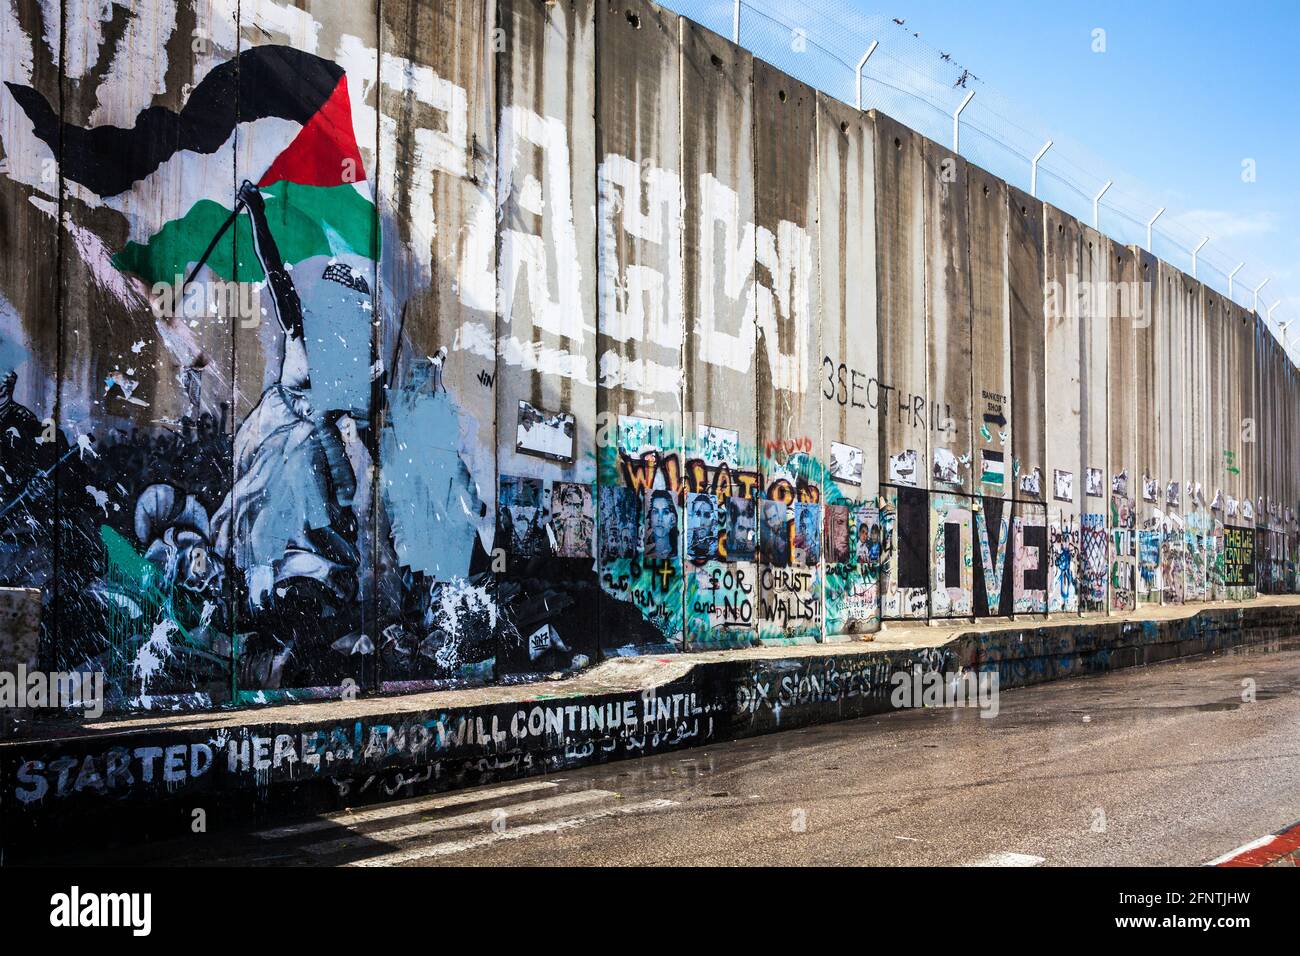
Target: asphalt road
[1158,765]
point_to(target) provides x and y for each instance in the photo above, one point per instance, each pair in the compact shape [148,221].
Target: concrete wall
[549,332]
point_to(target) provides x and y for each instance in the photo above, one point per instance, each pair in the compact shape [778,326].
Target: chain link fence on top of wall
[921,86]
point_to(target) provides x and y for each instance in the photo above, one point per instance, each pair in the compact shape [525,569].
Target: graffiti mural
[336,357]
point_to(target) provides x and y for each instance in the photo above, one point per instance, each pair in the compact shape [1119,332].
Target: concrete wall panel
[437,302]
[903,351]
[546,342]
[1063,471]
[718,184]
[848,378]
[787,318]
[991,424]
[30,311]
[640,301]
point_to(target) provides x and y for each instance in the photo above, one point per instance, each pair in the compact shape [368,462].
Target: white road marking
[1009,859]
[513,833]
[389,810]
[417,830]
[1244,848]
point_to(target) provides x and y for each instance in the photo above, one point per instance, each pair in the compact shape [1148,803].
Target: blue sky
[1182,94]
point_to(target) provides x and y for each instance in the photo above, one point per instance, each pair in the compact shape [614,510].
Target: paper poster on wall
[521,516]
[1217,503]
[717,446]
[1093,484]
[635,435]
[1062,485]
[774,536]
[1173,494]
[620,522]
[1031,482]
[1119,484]
[846,463]
[742,528]
[945,467]
[660,524]
[1150,488]
[573,521]
[543,434]
[902,468]
[993,467]
[1231,510]
[1247,510]
[837,534]
[702,519]
[807,534]
[1239,557]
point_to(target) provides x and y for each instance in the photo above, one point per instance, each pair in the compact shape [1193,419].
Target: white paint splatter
[153,654]
[101,497]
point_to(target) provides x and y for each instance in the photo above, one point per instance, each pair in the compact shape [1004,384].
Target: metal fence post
[1231,274]
[1151,222]
[1199,246]
[863,62]
[1096,205]
[1033,169]
[956,119]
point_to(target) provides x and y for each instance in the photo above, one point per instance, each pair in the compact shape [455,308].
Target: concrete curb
[146,776]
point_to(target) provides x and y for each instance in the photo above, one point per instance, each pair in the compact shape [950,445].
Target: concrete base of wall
[143,777]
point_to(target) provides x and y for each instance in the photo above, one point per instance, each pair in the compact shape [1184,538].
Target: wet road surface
[1165,764]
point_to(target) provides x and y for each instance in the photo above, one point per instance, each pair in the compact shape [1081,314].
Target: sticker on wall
[701,526]
[1093,483]
[846,463]
[521,516]
[543,639]
[1031,483]
[573,521]
[945,467]
[717,446]
[635,435]
[1173,494]
[1150,488]
[993,467]
[660,524]
[837,534]
[548,436]
[774,536]
[1119,484]
[1062,485]
[742,528]
[902,468]
[620,522]
[807,534]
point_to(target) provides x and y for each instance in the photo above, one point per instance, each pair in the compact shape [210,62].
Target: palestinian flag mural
[315,187]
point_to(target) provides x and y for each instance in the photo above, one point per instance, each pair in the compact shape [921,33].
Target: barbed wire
[920,86]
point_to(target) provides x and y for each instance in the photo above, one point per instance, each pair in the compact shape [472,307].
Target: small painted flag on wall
[992,467]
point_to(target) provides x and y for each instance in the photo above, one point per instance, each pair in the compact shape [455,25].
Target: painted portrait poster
[620,522]
[660,525]
[702,527]
[573,521]
[775,533]
[742,528]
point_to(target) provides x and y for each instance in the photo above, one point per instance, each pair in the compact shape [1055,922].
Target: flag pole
[239,207]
